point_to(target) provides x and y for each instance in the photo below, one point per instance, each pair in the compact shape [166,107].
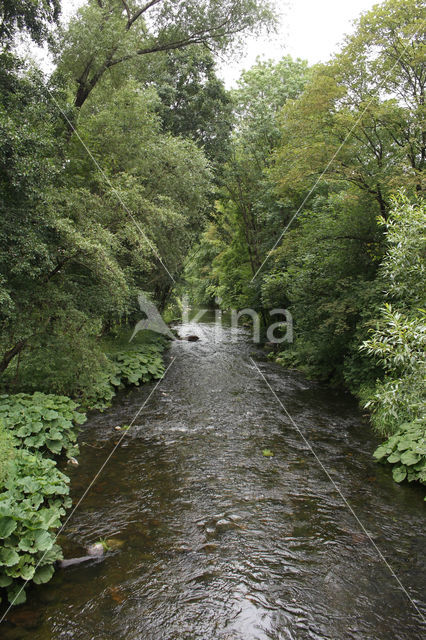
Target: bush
[33,499]
[99,396]
[398,402]
[398,343]
[142,365]
[130,367]
[406,450]
[42,422]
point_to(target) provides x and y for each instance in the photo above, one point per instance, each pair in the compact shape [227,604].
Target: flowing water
[219,541]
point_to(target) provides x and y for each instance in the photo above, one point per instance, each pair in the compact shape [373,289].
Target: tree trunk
[9,355]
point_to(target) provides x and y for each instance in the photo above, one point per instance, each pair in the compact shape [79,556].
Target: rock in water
[96,549]
[63,564]
[192,338]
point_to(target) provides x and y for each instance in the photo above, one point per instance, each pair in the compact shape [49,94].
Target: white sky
[309,29]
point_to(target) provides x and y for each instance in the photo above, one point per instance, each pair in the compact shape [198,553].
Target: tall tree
[108,33]
[248,193]
[248,211]
[194,101]
[361,118]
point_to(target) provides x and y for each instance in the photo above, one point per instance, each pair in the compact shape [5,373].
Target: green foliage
[406,451]
[142,365]
[194,102]
[324,273]
[99,396]
[33,492]
[131,367]
[33,501]
[32,16]
[103,36]
[40,422]
[346,113]
[398,401]
[84,244]
[248,213]
[399,337]
[7,452]
[403,268]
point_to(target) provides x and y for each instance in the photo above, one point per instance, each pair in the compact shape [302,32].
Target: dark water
[220,542]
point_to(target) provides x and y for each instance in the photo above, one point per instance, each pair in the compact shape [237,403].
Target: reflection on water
[221,542]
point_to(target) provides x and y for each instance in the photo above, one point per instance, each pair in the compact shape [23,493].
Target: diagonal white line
[336,486]
[108,181]
[330,162]
[92,482]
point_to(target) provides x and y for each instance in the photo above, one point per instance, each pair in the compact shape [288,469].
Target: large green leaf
[43,540]
[27,572]
[394,457]
[8,557]
[399,473]
[16,594]
[5,580]
[409,458]
[7,526]
[43,574]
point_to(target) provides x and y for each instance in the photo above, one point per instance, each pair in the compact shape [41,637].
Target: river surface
[220,542]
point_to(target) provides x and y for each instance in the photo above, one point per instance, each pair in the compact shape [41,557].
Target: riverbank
[404,451]
[38,433]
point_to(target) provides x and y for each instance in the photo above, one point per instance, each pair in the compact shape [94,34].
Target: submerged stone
[70,562]
[96,549]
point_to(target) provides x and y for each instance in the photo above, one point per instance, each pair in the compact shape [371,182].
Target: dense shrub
[399,344]
[42,422]
[33,492]
[33,498]
[130,367]
[398,400]
[142,365]
[406,450]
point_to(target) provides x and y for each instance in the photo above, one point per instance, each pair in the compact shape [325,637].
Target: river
[220,542]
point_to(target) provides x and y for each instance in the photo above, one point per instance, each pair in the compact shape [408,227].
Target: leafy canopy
[109,33]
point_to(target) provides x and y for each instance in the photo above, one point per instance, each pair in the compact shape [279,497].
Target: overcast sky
[309,29]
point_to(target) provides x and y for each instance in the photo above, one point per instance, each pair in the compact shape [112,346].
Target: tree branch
[9,355]
[127,9]
[140,11]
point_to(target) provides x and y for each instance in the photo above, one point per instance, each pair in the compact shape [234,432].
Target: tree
[194,102]
[49,243]
[72,258]
[32,16]
[162,181]
[108,33]
[361,119]
[249,212]
[324,273]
